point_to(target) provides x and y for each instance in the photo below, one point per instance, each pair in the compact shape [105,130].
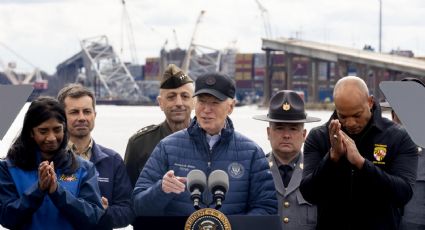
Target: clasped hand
[343,145]
[47,180]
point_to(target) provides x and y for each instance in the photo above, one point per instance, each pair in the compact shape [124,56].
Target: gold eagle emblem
[286,106]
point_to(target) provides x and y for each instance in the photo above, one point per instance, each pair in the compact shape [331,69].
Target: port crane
[199,58]
[127,31]
[175,39]
[34,77]
[266,19]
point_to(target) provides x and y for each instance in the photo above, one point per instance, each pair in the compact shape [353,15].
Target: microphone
[196,183]
[218,184]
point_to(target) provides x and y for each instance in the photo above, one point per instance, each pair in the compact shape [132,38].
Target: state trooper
[286,133]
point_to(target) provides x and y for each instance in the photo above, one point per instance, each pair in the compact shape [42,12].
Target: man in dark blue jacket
[114,183]
[359,168]
[209,143]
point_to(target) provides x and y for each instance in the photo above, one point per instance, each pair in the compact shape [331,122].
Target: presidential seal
[207,219]
[236,170]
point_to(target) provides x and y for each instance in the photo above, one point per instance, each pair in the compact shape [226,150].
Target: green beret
[174,78]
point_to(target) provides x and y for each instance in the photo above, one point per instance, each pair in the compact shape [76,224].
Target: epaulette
[145,130]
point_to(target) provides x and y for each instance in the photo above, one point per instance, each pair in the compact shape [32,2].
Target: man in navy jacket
[209,143]
[359,168]
[114,183]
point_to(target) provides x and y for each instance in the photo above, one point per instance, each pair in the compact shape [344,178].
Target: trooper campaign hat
[287,106]
[174,78]
[216,84]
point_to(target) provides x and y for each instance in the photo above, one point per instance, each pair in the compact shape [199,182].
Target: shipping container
[152,69]
[278,60]
[227,63]
[244,84]
[325,95]
[244,66]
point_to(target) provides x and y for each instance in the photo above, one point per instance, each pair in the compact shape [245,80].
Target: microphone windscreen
[196,178]
[218,178]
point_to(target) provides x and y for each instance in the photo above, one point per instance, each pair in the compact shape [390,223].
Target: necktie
[284,172]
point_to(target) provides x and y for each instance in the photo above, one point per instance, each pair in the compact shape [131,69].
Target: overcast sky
[47,32]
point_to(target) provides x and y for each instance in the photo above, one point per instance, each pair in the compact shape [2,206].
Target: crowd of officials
[356,171]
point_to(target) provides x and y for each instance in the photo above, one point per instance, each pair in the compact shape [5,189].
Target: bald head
[351,84]
[353,103]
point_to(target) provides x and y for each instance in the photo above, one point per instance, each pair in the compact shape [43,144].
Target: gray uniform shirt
[295,212]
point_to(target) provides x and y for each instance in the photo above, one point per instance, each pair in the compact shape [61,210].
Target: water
[115,124]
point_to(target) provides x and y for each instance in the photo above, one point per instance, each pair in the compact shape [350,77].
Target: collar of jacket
[97,154]
[194,129]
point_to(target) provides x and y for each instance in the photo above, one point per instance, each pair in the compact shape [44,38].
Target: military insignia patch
[235,170]
[379,152]
[68,178]
[182,77]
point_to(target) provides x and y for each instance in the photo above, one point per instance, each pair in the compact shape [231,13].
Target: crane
[266,20]
[39,83]
[126,28]
[186,61]
[175,38]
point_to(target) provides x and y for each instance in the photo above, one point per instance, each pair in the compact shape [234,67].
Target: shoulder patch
[146,129]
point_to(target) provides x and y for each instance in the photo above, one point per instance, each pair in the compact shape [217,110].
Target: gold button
[286,220]
[286,204]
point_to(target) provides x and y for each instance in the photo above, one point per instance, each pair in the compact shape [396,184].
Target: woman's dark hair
[23,151]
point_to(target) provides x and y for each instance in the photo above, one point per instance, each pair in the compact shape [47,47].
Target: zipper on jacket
[209,159]
[206,197]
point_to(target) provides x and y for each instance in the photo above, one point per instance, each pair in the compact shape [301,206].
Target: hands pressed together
[104,202]
[172,183]
[47,180]
[343,145]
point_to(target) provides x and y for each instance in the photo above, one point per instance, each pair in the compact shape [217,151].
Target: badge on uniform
[286,106]
[69,178]
[379,153]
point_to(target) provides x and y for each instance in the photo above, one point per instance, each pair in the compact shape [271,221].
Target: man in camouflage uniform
[176,101]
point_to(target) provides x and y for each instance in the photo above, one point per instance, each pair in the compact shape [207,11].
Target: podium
[238,222]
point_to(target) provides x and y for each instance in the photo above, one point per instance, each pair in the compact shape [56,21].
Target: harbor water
[115,124]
